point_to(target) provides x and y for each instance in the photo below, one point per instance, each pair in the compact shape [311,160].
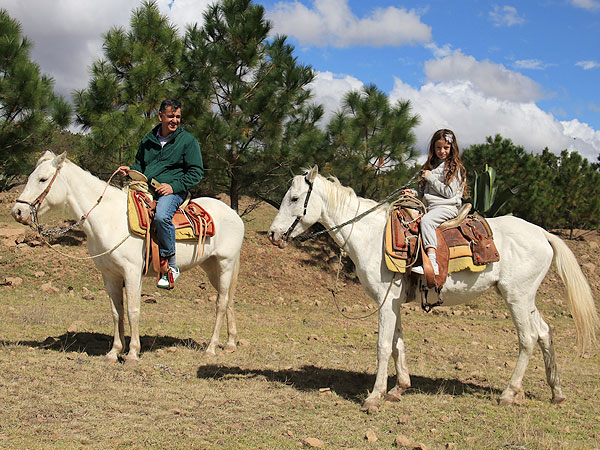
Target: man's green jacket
[178,163]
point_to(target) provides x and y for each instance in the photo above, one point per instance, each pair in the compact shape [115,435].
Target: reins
[44,231]
[303,238]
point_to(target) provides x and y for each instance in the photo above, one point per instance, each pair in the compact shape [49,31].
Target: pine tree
[371,141]
[557,191]
[30,112]
[259,114]
[578,184]
[141,67]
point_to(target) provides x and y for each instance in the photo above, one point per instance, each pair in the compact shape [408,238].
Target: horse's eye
[294,199]
[43,180]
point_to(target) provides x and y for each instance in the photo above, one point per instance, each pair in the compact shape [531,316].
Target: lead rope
[86,257]
[43,231]
[337,278]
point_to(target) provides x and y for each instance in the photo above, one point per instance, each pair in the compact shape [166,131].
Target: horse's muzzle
[21,214]
[277,239]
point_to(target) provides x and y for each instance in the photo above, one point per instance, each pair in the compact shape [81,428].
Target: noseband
[299,218]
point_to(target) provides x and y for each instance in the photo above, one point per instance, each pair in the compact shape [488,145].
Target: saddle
[465,242]
[191,221]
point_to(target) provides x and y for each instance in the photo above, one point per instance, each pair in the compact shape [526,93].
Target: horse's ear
[59,160]
[312,173]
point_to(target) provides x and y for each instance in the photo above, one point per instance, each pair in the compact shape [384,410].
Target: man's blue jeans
[165,231]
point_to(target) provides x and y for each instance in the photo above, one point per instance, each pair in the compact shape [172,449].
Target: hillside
[301,369]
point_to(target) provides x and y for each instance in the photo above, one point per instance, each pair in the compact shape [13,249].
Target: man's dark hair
[170,102]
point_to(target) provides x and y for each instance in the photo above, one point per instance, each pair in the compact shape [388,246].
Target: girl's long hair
[454,165]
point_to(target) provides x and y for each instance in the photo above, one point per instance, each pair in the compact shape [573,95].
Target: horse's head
[300,208]
[41,191]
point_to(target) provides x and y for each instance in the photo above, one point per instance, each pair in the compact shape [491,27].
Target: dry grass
[302,370]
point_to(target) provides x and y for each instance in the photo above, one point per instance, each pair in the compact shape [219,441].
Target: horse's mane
[338,196]
[101,183]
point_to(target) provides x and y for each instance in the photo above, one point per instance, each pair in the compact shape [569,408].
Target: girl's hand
[123,171]
[425,173]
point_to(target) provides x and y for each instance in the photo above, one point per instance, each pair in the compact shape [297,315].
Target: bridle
[33,209]
[33,206]
[299,218]
[40,198]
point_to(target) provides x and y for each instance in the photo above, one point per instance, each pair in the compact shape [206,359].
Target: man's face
[170,120]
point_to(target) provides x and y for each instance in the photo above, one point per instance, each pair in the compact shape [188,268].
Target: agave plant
[487,201]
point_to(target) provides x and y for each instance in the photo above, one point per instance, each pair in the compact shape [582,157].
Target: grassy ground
[300,372]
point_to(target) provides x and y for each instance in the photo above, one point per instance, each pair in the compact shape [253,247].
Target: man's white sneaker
[163,282]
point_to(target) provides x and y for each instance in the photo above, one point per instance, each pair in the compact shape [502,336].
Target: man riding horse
[170,156]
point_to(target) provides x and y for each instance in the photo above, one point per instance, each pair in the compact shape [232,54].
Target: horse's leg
[399,355]
[547,346]
[387,325]
[114,288]
[527,335]
[133,290]
[231,326]
[220,274]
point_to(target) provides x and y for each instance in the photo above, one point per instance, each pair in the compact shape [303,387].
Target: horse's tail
[579,293]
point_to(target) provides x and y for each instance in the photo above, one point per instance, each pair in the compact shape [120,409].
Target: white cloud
[67,34]
[584,137]
[587,65]
[533,64]
[439,52]
[332,23]
[505,16]
[590,5]
[491,79]
[328,89]
[473,116]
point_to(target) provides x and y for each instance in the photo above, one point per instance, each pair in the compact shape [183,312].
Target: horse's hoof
[371,406]
[395,394]
[229,348]
[131,362]
[111,359]
[505,401]
[558,400]
[210,352]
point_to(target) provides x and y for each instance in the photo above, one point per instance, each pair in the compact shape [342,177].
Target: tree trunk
[234,191]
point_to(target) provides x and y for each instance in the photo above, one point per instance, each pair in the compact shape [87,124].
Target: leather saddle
[191,221]
[465,242]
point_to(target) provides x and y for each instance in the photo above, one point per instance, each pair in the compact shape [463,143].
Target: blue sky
[527,70]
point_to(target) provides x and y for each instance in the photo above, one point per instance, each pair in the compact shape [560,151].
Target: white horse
[106,226]
[526,252]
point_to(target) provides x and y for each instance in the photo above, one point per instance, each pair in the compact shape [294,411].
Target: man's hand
[164,189]
[123,171]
